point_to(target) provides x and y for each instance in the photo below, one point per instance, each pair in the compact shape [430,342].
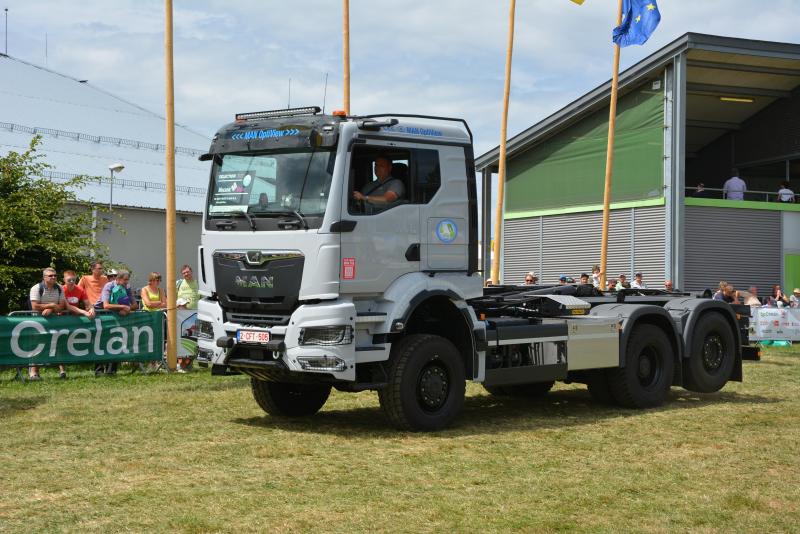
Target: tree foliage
[42,225]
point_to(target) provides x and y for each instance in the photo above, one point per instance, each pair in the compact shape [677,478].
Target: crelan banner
[37,340]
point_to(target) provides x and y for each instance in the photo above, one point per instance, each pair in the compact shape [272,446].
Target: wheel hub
[648,370]
[713,351]
[433,387]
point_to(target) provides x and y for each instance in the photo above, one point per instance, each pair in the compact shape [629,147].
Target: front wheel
[290,400]
[648,372]
[426,383]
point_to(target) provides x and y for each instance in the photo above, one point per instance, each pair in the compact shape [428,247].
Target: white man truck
[307,286]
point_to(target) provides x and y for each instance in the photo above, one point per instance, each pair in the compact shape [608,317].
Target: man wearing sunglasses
[78,302]
[46,297]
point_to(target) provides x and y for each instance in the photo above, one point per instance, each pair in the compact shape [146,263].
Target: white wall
[138,240]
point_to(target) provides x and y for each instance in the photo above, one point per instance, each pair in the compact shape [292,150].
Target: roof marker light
[340,113]
[289,112]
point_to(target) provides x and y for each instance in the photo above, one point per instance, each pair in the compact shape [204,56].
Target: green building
[688,114]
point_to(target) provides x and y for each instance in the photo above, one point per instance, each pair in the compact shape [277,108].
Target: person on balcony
[735,187]
[785,194]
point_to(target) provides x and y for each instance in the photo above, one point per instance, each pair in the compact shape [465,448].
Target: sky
[440,57]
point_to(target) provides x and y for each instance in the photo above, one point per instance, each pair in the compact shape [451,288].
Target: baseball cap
[638,274]
[796,291]
[112,272]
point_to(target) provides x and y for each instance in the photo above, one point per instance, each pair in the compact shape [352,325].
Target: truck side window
[416,169]
[427,175]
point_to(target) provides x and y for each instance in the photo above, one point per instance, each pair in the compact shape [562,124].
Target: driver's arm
[386,198]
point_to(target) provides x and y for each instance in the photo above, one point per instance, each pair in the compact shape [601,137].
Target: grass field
[192,453]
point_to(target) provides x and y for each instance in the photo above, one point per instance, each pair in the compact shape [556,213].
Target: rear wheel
[713,352]
[649,368]
[291,400]
[426,383]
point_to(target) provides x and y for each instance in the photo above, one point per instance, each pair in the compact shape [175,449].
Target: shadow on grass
[487,414]
[12,406]
[777,363]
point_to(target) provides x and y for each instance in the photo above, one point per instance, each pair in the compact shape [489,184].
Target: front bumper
[291,357]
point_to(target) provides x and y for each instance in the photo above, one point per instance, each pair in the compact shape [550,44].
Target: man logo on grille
[262,282]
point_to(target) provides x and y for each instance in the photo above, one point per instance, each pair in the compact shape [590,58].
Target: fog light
[325,335]
[204,355]
[322,363]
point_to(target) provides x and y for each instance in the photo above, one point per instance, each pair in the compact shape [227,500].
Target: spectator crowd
[107,291]
[735,188]
[725,291]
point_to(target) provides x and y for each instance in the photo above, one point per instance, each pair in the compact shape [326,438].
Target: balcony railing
[756,196]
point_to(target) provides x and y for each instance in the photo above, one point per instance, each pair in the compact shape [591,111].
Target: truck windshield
[271,183]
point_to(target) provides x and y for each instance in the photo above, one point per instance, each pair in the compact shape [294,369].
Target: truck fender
[689,311]
[405,296]
[628,315]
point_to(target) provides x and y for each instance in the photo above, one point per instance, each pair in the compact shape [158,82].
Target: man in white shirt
[734,188]
[637,282]
[785,194]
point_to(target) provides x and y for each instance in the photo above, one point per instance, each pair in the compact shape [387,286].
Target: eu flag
[639,21]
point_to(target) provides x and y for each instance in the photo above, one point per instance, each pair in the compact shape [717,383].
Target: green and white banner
[38,340]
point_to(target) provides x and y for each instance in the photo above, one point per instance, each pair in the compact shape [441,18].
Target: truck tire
[426,383]
[597,384]
[649,368]
[712,355]
[289,400]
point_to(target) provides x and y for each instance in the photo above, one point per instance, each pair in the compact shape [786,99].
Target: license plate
[252,336]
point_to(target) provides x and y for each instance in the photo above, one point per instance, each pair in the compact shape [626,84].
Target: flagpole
[346,49]
[501,164]
[172,316]
[612,122]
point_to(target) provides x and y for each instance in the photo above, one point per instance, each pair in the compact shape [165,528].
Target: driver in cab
[385,190]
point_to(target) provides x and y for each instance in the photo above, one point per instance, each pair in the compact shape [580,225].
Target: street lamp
[114,167]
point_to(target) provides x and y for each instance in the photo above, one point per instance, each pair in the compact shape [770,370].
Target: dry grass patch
[193,453]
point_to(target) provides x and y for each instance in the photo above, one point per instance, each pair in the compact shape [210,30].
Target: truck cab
[292,264]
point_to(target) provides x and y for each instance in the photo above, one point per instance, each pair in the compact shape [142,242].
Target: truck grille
[255,282]
[254,319]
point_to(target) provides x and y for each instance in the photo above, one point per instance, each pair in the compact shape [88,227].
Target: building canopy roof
[85,129]
[755,72]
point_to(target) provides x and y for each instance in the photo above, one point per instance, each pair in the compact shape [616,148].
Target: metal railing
[78,136]
[758,196]
[134,184]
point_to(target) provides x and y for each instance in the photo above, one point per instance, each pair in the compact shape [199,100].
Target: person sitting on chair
[386,189]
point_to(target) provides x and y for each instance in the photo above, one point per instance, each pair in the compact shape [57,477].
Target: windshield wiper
[247,216]
[297,214]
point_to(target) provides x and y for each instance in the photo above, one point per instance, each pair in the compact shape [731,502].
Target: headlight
[205,329]
[325,335]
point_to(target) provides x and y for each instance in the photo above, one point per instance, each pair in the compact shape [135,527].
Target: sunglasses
[70,280]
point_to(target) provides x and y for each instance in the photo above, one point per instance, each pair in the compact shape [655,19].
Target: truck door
[379,242]
[442,191]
